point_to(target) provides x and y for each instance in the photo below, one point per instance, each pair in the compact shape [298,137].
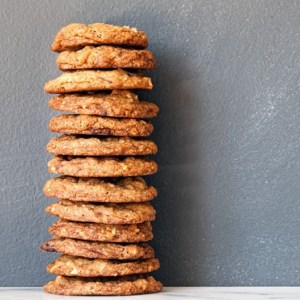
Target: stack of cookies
[103,202]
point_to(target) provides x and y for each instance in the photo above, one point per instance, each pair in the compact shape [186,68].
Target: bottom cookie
[127,285]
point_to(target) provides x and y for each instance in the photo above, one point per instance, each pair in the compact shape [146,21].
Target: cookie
[86,267]
[101,166]
[118,103]
[105,57]
[133,189]
[97,146]
[76,35]
[94,125]
[109,213]
[102,232]
[90,249]
[91,80]
[125,285]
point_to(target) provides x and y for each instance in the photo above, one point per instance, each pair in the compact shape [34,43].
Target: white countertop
[180,293]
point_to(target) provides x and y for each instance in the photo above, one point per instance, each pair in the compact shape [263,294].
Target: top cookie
[106,57]
[75,36]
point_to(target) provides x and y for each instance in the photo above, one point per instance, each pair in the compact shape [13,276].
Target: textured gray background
[228,89]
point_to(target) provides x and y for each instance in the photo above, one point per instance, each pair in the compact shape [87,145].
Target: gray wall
[228,131]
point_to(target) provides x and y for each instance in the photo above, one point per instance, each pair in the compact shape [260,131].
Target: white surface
[180,293]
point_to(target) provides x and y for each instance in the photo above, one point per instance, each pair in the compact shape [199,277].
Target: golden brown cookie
[98,250]
[108,213]
[106,57]
[97,146]
[133,233]
[132,189]
[76,35]
[101,166]
[86,267]
[125,285]
[91,80]
[94,125]
[118,103]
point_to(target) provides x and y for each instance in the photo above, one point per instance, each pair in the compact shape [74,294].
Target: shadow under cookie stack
[103,207]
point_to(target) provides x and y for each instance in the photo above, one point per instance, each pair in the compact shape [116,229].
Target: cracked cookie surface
[90,249]
[132,189]
[91,80]
[118,103]
[105,57]
[77,35]
[95,125]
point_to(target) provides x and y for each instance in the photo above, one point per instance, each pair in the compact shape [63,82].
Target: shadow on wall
[177,230]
